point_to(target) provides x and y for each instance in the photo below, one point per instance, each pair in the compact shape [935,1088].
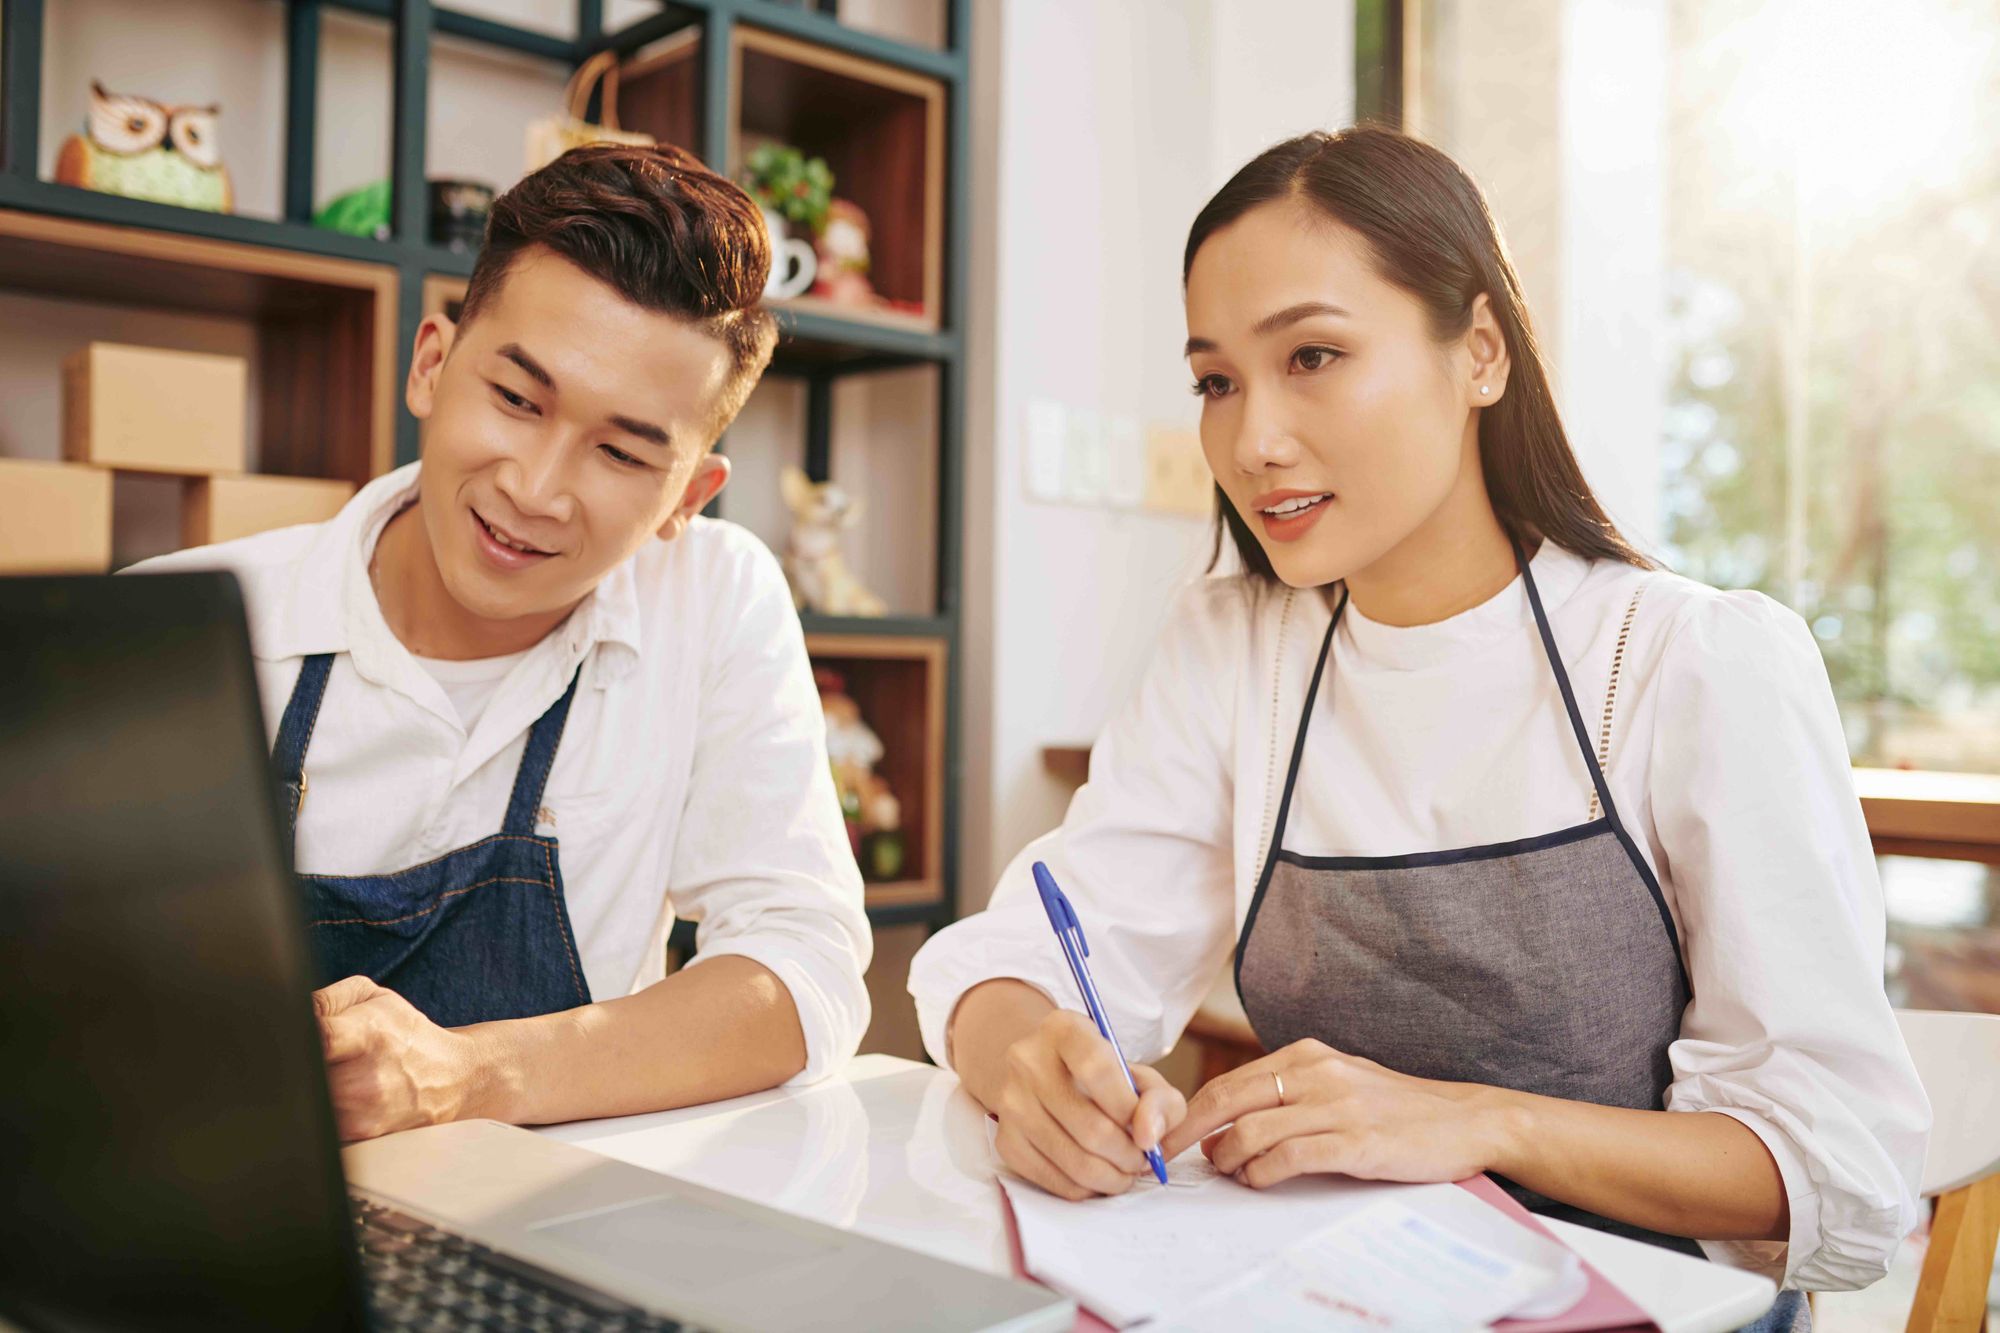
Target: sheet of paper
[1157,1248]
[1166,1250]
[1386,1269]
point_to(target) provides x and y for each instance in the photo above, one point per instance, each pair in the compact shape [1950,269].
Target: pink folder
[1603,1306]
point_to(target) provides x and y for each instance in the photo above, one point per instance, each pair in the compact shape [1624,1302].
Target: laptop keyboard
[422,1278]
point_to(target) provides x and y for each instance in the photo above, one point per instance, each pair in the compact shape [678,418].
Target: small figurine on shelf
[818,572]
[142,149]
[843,256]
[873,814]
[882,853]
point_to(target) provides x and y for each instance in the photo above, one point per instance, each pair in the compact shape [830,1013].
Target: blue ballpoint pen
[1069,933]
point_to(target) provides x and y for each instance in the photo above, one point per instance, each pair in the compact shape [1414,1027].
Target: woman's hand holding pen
[1311,1109]
[1068,1121]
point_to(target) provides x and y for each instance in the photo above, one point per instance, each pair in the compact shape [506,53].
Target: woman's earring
[1485,389]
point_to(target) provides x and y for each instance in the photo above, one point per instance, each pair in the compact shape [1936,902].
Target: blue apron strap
[536,759]
[295,729]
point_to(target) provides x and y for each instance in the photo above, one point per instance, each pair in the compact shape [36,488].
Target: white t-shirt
[470,684]
[1727,764]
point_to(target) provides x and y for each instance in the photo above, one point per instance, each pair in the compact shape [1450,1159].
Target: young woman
[1534,858]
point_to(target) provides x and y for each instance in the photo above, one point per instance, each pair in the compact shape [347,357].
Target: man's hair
[660,229]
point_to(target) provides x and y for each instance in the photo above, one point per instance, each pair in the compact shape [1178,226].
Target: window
[1806,360]
[1832,427]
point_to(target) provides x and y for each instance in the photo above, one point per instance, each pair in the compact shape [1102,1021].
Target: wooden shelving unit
[325,326]
[881,131]
[335,315]
[890,120]
[898,681]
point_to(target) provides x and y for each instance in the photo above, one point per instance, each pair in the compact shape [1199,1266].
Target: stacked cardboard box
[156,411]
[55,518]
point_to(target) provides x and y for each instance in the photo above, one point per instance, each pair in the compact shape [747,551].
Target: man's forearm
[719,1029]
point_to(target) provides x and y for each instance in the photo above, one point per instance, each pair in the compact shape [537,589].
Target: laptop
[171,1158]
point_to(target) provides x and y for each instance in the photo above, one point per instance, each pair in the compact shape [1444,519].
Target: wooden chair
[1958,1059]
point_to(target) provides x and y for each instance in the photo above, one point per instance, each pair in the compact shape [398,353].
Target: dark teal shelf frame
[817,348]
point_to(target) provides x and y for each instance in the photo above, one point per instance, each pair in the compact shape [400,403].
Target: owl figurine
[140,149]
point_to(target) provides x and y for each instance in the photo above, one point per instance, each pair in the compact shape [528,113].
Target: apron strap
[295,729]
[1299,744]
[1597,770]
[1291,781]
[536,759]
[1562,683]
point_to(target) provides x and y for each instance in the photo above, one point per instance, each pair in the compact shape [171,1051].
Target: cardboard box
[220,509]
[145,409]
[55,518]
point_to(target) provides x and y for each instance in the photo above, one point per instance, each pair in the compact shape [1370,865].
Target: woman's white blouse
[1727,763]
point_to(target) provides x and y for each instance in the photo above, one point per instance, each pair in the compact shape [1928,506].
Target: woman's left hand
[1341,1114]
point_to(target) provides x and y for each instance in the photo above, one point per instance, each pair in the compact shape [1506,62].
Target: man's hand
[388,1066]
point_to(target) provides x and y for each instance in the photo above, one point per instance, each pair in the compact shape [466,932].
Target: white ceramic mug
[793,263]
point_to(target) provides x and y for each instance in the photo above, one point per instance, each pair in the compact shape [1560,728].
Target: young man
[532,631]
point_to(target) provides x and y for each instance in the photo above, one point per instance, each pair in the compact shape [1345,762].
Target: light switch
[1085,478]
[1047,451]
[1125,463]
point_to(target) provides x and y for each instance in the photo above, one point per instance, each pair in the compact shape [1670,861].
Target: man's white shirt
[692,777]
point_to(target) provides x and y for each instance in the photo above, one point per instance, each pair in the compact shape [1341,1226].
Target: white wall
[1099,131]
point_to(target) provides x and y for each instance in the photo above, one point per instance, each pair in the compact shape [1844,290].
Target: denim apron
[480,933]
[1549,964]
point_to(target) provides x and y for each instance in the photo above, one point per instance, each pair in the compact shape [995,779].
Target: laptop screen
[169,1149]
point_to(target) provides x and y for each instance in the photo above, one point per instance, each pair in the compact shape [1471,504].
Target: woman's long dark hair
[1432,235]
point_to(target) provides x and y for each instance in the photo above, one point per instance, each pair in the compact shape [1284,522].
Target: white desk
[897,1151]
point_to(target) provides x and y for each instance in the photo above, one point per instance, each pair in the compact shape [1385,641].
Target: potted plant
[785,181]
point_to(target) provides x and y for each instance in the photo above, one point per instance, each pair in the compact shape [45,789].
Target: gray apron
[1549,964]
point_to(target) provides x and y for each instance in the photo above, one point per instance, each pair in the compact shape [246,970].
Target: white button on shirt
[1726,761]
[692,776]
